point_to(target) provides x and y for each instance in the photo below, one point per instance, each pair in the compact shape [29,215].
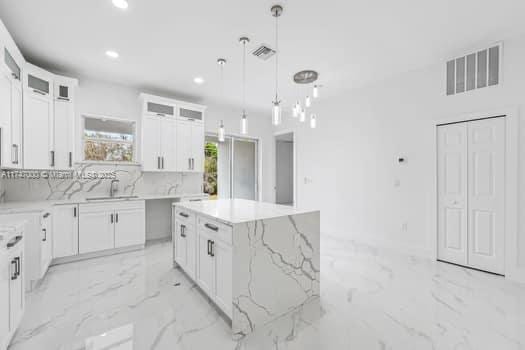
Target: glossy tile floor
[371,299]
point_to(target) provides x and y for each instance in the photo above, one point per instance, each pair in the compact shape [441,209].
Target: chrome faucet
[113,187]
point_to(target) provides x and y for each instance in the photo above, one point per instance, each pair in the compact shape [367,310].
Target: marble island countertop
[37,206]
[234,211]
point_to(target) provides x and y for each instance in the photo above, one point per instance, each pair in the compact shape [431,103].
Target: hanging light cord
[244,79]
[276,58]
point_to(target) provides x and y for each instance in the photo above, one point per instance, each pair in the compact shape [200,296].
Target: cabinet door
[16,122]
[95,231]
[223,276]
[5,119]
[16,292]
[205,275]
[65,230]
[169,145]
[64,131]
[184,145]
[6,271]
[38,132]
[151,140]
[180,244]
[197,147]
[130,227]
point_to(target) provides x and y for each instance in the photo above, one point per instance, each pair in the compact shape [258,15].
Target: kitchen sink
[110,198]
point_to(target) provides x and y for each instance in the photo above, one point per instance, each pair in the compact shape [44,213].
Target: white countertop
[38,206]
[234,211]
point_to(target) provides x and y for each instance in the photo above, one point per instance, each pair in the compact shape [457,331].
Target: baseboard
[86,256]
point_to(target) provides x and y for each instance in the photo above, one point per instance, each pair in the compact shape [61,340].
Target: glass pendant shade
[315,92]
[295,111]
[307,101]
[276,114]
[244,125]
[313,121]
[221,132]
[302,116]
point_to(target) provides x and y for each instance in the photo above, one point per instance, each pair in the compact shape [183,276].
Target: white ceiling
[164,44]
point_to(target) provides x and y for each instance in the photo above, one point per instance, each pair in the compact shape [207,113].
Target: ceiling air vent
[264,52]
[475,70]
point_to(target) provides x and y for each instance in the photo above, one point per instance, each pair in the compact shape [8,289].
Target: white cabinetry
[190,146]
[10,111]
[46,247]
[104,226]
[203,249]
[64,122]
[65,230]
[158,145]
[12,288]
[39,150]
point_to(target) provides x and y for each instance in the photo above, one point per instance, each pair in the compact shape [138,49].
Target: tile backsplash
[132,181]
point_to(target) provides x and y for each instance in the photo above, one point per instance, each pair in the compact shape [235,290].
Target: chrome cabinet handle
[13,275]
[116,218]
[14,154]
[211,227]
[14,242]
[183,231]
[212,252]
[162,162]
[74,212]
[111,218]
[17,260]
[70,159]
[189,163]
[45,235]
[184,215]
[52,158]
[209,249]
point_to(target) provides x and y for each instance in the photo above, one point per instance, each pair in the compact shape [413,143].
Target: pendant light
[221,62]
[244,121]
[308,102]
[313,121]
[315,92]
[276,10]
[296,109]
[302,115]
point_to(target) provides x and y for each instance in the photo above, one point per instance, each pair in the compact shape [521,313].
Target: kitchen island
[257,261]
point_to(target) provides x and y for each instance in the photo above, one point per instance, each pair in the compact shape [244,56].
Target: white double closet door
[471,194]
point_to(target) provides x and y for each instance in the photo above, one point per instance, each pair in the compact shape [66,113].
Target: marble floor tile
[370,299]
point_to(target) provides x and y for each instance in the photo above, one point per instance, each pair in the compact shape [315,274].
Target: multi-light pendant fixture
[302,77]
[244,121]
[221,132]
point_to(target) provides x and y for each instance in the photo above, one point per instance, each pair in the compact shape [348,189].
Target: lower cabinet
[65,230]
[110,225]
[203,249]
[46,244]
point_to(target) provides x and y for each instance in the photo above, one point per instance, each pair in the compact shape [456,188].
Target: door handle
[189,163]
[13,275]
[183,231]
[184,215]
[158,162]
[74,212]
[14,154]
[45,235]
[111,218]
[52,158]
[211,227]
[212,244]
[70,159]
[17,271]
[13,242]
[162,162]
[209,250]
[192,164]
[116,218]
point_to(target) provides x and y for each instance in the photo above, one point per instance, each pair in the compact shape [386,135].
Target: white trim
[512,268]
[294,153]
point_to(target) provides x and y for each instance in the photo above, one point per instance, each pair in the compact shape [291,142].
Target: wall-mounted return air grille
[474,71]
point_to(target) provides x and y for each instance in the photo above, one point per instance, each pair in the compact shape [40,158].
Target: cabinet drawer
[185,216]
[215,229]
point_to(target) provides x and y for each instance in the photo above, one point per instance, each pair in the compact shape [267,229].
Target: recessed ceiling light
[112,54]
[121,4]
[198,80]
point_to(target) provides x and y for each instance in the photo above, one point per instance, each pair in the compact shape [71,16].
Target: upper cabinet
[64,122]
[39,152]
[10,110]
[172,135]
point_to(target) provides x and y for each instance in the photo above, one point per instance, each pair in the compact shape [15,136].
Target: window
[108,139]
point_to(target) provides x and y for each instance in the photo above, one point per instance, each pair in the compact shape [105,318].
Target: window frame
[109,162]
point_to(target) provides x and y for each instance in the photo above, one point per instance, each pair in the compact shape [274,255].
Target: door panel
[38,135]
[452,193]
[5,119]
[151,143]
[223,273]
[169,144]
[184,144]
[197,147]
[64,129]
[65,230]
[191,250]
[205,266]
[486,150]
[180,245]
[95,230]
[129,227]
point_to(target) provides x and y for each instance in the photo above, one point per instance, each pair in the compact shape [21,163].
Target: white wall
[351,157]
